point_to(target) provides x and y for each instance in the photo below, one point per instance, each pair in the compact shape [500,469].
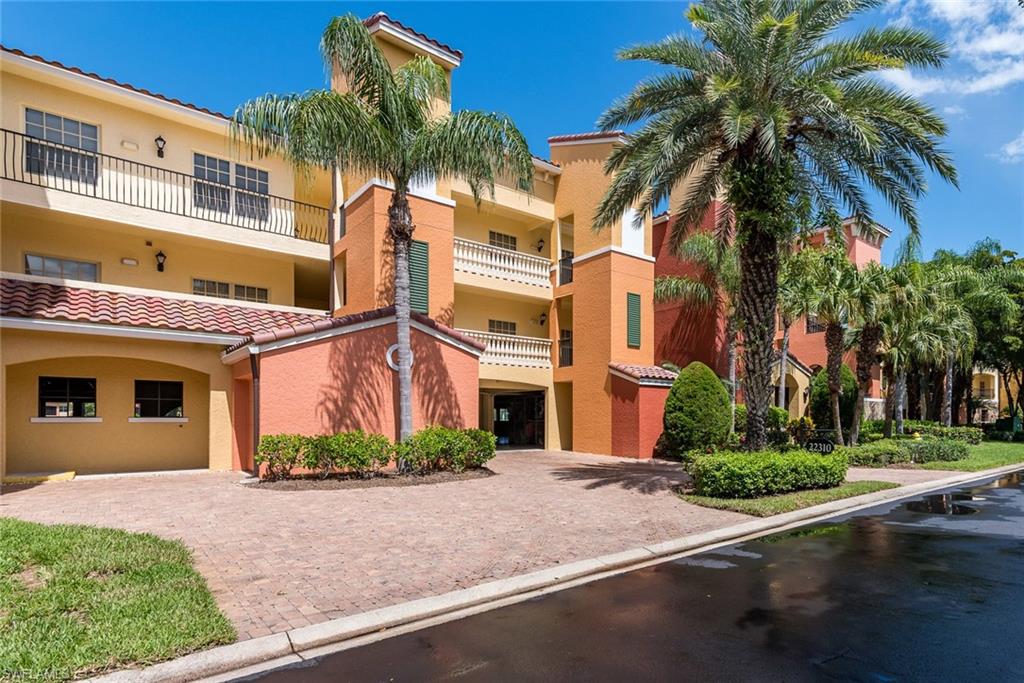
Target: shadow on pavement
[652,476]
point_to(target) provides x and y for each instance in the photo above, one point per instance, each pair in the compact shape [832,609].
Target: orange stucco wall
[366,253]
[344,383]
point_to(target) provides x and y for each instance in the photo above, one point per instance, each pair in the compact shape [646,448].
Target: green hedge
[971,435]
[360,454]
[930,450]
[765,473]
[778,418]
[697,410]
[876,454]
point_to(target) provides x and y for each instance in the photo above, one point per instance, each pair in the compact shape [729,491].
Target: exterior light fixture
[160,142]
[542,318]
[540,246]
[161,257]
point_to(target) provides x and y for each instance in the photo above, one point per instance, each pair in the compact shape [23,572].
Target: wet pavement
[930,590]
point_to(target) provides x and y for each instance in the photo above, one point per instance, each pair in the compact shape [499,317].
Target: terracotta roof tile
[643,371]
[111,81]
[372,21]
[594,135]
[42,300]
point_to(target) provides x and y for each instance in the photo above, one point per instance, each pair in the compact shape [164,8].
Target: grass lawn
[76,600]
[985,455]
[787,502]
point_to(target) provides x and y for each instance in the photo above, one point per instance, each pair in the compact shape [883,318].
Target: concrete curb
[260,654]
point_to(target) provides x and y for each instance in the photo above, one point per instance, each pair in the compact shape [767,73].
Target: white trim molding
[70,326]
[159,420]
[385,25]
[383,184]
[65,420]
[619,139]
[612,249]
[644,382]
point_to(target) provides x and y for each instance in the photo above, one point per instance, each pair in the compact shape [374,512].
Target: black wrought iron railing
[565,354]
[565,270]
[69,169]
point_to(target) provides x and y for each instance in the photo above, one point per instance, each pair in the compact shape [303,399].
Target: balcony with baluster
[509,272]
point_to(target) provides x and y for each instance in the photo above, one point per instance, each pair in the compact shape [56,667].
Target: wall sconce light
[542,318]
[161,257]
[160,142]
[540,245]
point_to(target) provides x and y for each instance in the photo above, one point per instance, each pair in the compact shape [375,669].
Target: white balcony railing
[504,264]
[511,349]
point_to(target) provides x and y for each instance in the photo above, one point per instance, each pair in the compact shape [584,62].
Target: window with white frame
[249,293]
[67,397]
[203,287]
[57,152]
[252,192]
[65,269]
[212,187]
[501,327]
[502,241]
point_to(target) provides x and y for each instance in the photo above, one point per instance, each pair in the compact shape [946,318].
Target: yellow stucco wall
[473,310]
[37,231]
[115,444]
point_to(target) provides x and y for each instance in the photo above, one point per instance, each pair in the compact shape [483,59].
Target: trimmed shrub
[319,454]
[696,410]
[872,427]
[876,454]
[1000,436]
[484,446]
[765,473]
[361,453]
[778,419]
[741,418]
[435,448]
[280,453]
[930,450]
[971,435]
[821,406]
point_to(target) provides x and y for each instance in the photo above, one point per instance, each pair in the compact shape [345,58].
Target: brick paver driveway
[281,559]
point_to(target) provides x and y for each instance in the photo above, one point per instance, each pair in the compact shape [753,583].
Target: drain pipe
[254,364]
[331,284]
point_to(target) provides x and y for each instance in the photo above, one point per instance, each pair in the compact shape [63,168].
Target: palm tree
[795,289]
[386,125]
[715,287]
[867,309]
[770,109]
[834,285]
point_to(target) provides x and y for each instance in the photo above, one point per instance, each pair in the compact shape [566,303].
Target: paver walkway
[281,559]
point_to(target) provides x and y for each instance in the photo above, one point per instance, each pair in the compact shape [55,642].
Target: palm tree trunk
[867,349]
[400,227]
[890,400]
[834,348]
[759,261]
[780,398]
[901,397]
[730,331]
[947,394]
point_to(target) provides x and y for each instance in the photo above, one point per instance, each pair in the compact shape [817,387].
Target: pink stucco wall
[637,416]
[344,383]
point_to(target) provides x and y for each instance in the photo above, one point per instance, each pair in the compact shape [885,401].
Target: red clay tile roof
[372,21]
[309,327]
[643,371]
[42,300]
[595,135]
[111,81]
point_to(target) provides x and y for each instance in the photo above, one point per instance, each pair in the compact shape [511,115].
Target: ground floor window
[67,397]
[155,398]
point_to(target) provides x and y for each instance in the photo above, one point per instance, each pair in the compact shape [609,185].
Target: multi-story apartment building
[167,297]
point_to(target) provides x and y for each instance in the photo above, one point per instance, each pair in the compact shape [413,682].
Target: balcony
[511,349]
[74,171]
[502,264]
[565,270]
[985,394]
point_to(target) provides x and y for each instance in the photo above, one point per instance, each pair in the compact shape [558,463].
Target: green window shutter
[632,320]
[419,277]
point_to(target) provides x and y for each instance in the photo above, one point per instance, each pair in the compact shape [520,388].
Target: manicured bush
[765,473]
[971,435]
[484,446]
[876,454]
[778,418]
[931,450]
[872,427]
[361,453]
[821,404]
[696,410]
[318,455]
[996,435]
[741,418]
[435,448]
[280,453]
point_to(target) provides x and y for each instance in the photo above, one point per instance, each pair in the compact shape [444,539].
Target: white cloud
[1012,152]
[955,111]
[915,85]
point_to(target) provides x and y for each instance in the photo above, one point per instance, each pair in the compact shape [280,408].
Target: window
[154,398]
[813,326]
[57,158]
[419,276]
[633,320]
[210,288]
[247,293]
[501,327]
[66,269]
[251,197]
[502,241]
[67,397]
[564,348]
[212,188]
[565,267]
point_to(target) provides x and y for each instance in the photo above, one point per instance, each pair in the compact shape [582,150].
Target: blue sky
[552,67]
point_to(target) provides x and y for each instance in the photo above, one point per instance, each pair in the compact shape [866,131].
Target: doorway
[519,419]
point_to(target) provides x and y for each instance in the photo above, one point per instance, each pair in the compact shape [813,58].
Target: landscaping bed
[766,506]
[78,600]
[383,479]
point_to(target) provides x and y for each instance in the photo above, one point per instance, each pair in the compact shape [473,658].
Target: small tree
[697,411]
[821,398]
